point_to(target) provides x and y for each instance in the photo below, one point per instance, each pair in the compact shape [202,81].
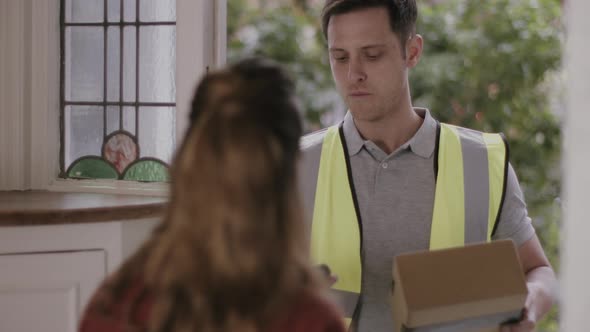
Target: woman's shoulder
[117,310]
[311,311]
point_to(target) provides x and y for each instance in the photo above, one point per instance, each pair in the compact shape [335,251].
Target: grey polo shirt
[396,197]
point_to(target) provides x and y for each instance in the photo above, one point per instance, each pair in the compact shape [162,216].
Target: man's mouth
[358,94]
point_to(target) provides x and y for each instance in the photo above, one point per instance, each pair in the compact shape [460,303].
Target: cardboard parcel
[473,288]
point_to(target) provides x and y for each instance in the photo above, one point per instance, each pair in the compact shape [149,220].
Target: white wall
[575,278]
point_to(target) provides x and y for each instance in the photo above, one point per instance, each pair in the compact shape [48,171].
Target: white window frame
[575,271]
[30,82]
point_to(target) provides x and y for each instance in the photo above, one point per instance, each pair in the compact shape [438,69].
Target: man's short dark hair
[402,14]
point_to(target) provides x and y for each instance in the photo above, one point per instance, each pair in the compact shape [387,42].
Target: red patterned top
[310,313]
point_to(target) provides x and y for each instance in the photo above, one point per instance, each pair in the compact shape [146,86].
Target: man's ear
[414,50]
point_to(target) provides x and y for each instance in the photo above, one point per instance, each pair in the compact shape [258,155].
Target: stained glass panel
[118,88]
[147,171]
[92,168]
[120,149]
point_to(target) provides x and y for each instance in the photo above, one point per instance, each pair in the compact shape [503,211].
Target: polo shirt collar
[354,141]
[424,140]
[422,143]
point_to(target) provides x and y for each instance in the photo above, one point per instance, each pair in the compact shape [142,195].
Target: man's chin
[364,114]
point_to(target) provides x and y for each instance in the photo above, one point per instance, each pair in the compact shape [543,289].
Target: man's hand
[529,317]
[541,284]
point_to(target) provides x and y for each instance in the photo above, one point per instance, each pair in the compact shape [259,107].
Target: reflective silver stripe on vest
[345,300]
[476,184]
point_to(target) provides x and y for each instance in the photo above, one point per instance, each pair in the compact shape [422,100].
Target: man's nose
[356,72]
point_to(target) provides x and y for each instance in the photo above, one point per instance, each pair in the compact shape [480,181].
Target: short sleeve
[514,221]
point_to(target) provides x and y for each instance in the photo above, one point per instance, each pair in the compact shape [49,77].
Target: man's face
[368,63]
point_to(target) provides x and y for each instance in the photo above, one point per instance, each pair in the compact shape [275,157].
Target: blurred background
[490,65]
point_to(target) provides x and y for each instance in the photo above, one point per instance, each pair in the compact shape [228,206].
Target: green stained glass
[92,168]
[147,170]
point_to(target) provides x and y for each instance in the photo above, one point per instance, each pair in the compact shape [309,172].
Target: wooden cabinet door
[47,291]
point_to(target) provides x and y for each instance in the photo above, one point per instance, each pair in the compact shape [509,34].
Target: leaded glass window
[118,104]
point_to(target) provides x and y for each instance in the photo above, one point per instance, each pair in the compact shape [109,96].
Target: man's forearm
[542,282]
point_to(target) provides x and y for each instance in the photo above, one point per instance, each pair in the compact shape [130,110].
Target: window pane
[129,119]
[157,10]
[113,63]
[157,63]
[157,132]
[113,119]
[83,132]
[84,56]
[129,61]
[87,11]
[114,10]
[129,10]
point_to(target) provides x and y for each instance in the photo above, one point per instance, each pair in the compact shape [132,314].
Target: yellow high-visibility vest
[470,169]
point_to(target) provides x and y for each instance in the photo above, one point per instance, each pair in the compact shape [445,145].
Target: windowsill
[27,208]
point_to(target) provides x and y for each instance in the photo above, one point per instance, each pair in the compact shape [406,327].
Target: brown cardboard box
[471,288]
